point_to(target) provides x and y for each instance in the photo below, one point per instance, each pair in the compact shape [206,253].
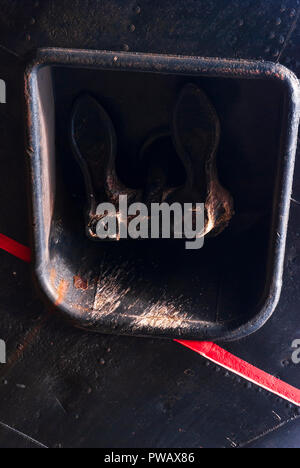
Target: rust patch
[61,292]
[52,277]
[27,341]
[80,283]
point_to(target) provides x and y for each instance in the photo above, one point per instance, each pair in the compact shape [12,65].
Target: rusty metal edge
[167,64]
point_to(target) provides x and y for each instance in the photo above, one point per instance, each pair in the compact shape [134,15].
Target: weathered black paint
[123,295]
[85,389]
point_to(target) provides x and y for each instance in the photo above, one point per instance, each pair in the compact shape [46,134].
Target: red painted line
[206,349]
[242,368]
[15,248]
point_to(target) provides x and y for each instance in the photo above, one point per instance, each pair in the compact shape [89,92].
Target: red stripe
[227,360]
[206,349]
[14,248]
